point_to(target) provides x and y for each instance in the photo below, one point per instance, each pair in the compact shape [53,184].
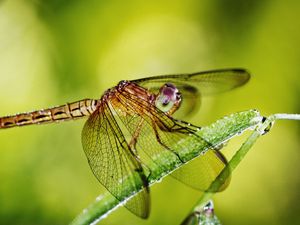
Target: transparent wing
[202,171]
[193,86]
[154,135]
[112,161]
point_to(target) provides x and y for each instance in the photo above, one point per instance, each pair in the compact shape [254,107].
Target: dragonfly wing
[202,171]
[112,161]
[193,86]
[155,132]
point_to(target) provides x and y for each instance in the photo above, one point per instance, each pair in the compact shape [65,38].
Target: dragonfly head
[168,99]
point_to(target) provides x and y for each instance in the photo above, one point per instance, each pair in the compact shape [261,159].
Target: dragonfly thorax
[111,91]
[122,84]
[168,99]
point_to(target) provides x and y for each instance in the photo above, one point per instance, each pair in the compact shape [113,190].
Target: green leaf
[217,133]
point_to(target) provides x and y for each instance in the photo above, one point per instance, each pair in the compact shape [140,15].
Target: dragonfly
[133,124]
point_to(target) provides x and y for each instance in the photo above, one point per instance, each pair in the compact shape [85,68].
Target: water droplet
[99,198]
[84,211]
[159,180]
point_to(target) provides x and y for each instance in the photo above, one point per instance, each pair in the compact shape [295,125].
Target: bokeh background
[52,52]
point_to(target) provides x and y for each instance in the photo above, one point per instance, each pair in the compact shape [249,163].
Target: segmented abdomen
[68,111]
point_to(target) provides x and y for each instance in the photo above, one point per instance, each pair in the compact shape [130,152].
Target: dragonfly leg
[197,128]
[143,165]
[180,125]
[133,149]
[135,136]
[160,142]
[190,128]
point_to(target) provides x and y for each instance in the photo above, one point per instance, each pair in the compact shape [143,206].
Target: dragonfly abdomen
[65,112]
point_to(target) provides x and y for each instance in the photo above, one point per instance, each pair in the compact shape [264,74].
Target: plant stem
[285,116]
[261,129]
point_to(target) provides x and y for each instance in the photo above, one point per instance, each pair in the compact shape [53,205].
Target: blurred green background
[52,52]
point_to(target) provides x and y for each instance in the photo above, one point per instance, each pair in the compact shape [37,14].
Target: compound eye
[168,96]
